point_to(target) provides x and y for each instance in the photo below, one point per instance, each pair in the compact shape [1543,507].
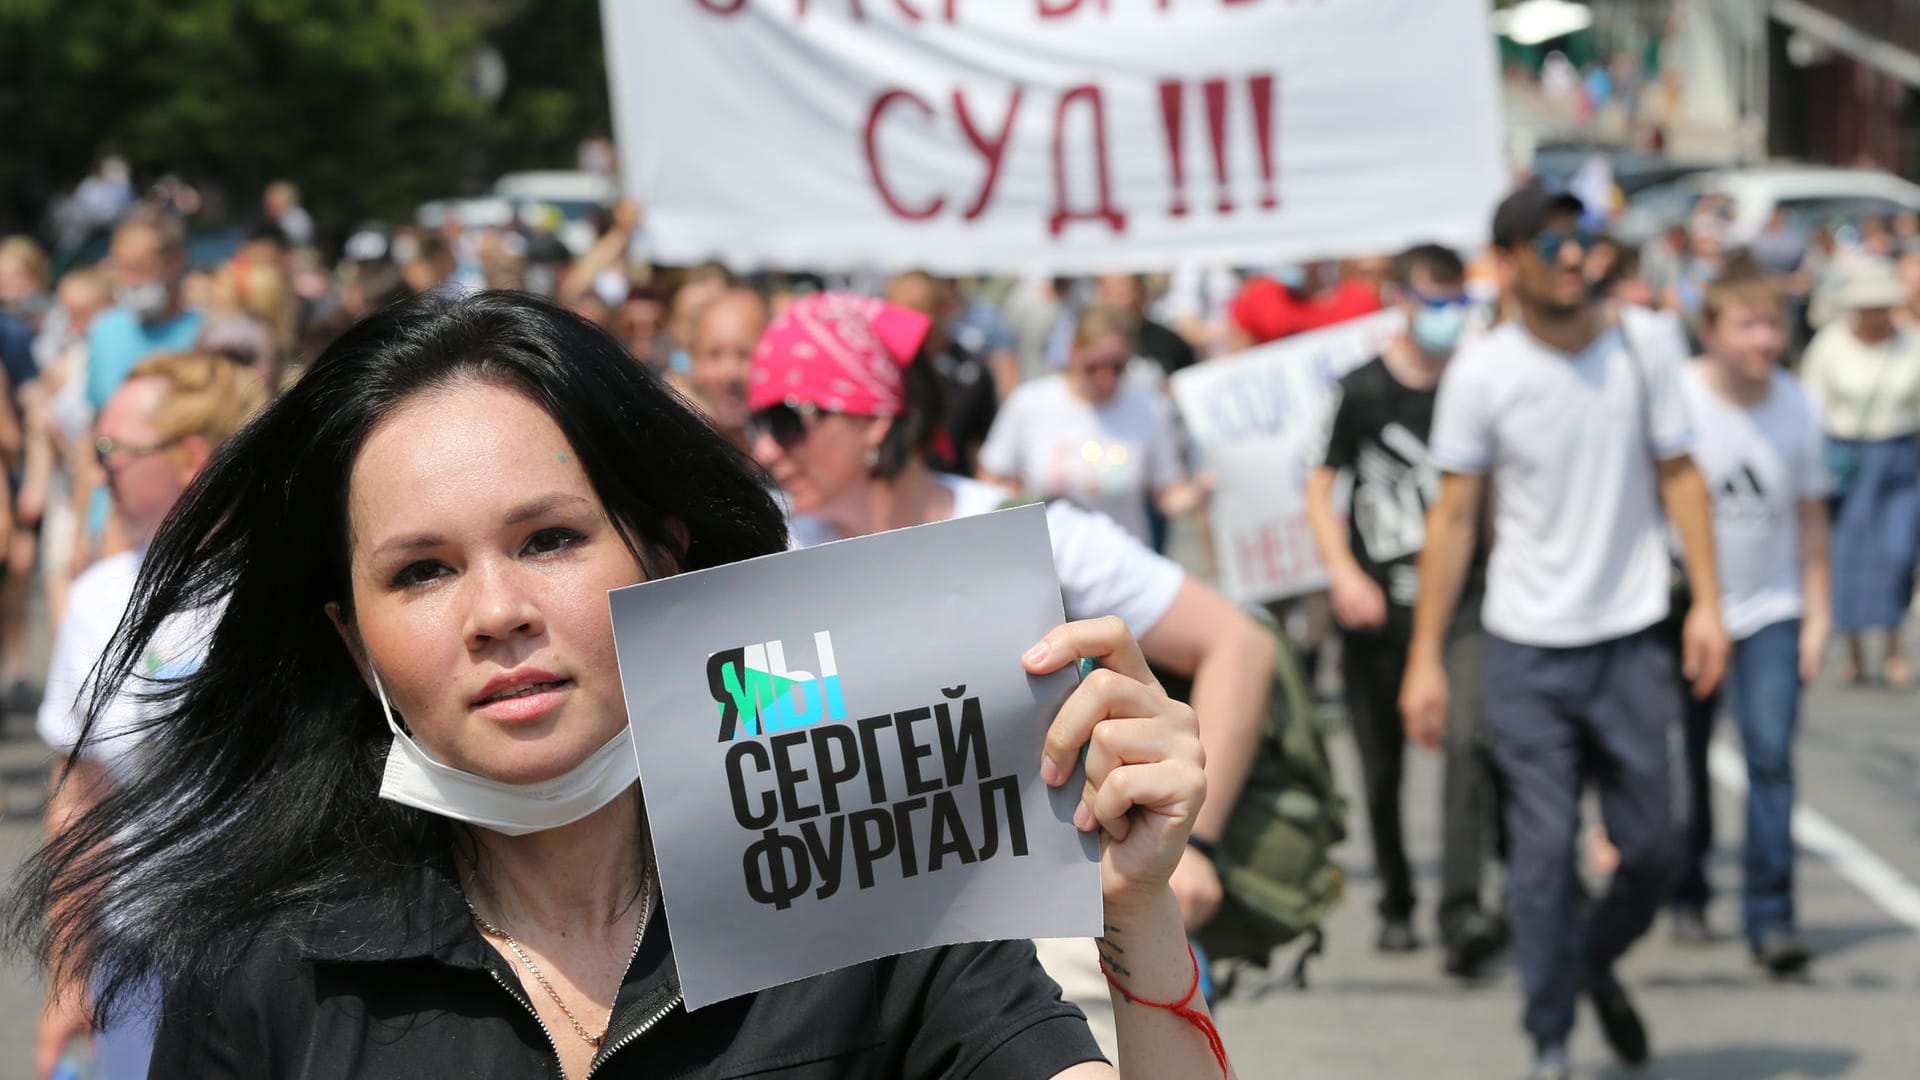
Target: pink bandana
[838,352]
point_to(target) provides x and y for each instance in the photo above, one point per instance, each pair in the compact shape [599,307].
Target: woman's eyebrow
[410,542]
[541,505]
[538,506]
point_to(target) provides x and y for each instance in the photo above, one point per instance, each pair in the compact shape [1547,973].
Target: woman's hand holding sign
[1145,781]
[1144,787]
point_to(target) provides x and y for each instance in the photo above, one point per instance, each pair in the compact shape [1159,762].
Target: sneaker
[1396,936]
[1619,1020]
[1475,940]
[1690,926]
[1551,1063]
[1781,953]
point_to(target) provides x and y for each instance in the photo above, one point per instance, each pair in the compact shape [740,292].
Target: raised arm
[608,251]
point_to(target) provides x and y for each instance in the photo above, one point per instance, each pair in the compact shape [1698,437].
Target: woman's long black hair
[256,796]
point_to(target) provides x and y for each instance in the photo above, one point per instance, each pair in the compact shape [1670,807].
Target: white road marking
[1821,838]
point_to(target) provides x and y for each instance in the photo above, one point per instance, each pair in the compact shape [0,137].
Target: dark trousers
[1469,794]
[1559,718]
[1763,692]
[1690,886]
[1373,665]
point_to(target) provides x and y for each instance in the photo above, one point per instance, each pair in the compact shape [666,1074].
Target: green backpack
[1275,859]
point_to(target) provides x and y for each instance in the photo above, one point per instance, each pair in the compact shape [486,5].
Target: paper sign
[840,752]
[1071,136]
[1259,418]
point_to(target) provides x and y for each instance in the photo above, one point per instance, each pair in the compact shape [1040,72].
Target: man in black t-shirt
[1160,344]
[1376,433]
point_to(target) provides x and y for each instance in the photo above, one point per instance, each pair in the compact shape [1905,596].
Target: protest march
[960,538]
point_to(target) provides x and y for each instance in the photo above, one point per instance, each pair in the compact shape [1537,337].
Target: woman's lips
[525,703]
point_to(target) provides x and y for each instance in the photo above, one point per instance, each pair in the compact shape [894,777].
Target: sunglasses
[1548,244]
[787,424]
[105,449]
[1112,366]
[1443,300]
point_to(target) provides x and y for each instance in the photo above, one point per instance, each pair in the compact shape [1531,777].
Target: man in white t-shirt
[1761,448]
[155,435]
[1574,418]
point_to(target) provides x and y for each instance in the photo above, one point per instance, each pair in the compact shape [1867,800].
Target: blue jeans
[1763,693]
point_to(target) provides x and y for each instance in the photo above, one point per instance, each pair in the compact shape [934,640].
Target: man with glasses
[1376,433]
[1574,418]
[155,435]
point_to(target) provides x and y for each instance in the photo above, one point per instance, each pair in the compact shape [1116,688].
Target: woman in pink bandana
[844,408]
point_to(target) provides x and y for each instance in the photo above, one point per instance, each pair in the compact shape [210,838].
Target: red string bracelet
[1180,1009]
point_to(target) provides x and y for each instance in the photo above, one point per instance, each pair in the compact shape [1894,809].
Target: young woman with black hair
[424,530]
[846,403]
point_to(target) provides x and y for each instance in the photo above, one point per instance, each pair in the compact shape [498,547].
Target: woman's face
[480,563]
[825,464]
[1100,363]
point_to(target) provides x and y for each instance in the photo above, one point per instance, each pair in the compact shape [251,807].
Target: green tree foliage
[364,103]
[556,85]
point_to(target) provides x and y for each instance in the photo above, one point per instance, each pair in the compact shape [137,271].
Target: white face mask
[147,302]
[416,780]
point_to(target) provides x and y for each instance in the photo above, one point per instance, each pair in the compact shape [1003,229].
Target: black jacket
[417,993]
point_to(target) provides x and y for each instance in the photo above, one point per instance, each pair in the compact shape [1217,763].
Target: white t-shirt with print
[1759,464]
[1108,458]
[1102,570]
[1568,442]
[94,608]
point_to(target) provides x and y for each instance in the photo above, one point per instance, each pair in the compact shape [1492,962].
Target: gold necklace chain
[646,912]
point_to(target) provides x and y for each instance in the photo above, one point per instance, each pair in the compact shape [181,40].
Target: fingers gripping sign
[1144,763]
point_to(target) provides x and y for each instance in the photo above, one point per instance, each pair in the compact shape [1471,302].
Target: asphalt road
[1713,1016]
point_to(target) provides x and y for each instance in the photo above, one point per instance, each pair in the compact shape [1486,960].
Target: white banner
[1258,418]
[1063,135]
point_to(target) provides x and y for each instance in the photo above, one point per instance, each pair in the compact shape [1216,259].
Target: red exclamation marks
[1172,98]
[1261,92]
[1215,91]
[1260,88]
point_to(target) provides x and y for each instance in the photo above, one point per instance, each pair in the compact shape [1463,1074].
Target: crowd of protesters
[1582,482]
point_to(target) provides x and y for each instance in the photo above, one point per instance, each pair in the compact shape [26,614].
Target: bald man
[723,340]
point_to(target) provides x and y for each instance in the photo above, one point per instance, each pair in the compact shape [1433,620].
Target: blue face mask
[1437,329]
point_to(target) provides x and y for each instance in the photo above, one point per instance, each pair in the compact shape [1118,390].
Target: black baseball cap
[1523,214]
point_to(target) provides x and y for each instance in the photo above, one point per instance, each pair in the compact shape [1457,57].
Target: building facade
[1845,82]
